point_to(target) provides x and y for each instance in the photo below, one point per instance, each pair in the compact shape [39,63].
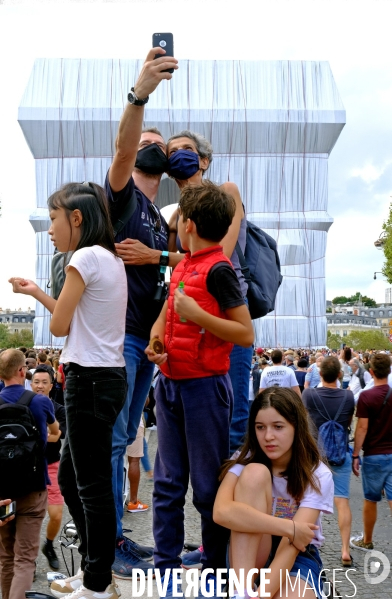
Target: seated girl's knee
[255,474]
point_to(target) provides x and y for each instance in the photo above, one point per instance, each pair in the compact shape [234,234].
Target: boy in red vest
[202,318]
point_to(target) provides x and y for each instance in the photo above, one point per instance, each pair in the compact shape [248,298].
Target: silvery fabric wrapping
[272,125]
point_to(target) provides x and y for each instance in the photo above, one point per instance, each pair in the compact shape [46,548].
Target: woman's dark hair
[305,455]
[347,354]
[90,199]
[330,369]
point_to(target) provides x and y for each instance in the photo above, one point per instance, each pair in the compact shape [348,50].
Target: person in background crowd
[290,362]
[19,540]
[322,404]
[359,378]
[278,375]
[312,378]
[373,434]
[300,373]
[345,357]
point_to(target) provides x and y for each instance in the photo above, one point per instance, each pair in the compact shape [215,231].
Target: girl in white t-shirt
[271,497]
[91,312]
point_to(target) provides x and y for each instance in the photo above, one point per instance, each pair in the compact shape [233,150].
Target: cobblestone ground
[349,583]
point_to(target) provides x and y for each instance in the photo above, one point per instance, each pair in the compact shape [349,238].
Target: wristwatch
[133,99]
[164,259]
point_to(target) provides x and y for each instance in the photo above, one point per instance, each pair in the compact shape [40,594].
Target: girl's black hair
[90,199]
[305,454]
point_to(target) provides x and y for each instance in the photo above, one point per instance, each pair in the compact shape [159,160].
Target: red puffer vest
[192,353]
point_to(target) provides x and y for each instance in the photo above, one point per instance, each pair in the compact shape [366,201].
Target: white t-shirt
[281,376]
[97,331]
[284,506]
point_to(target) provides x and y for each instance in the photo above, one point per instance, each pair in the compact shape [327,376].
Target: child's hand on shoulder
[25,286]
[185,306]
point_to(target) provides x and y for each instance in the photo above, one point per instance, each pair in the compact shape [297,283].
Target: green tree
[387,247]
[21,338]
[367,301]
[340,299]
[367,340]
[4,333]
[333,340]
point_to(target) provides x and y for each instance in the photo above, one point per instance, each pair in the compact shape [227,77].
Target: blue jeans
[193,420]
[240,366]
[139,376]
[145,460]
[376,476]
[93,399]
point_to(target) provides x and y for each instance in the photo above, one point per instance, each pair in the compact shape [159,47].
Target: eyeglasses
[21,368]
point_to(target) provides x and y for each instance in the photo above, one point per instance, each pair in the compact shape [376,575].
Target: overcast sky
[353,36]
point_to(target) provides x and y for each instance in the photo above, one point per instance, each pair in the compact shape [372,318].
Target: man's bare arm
[131,122]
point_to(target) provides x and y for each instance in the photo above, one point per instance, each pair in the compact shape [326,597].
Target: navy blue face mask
[183,164]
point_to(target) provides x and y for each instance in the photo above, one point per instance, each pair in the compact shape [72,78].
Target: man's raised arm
[131,122]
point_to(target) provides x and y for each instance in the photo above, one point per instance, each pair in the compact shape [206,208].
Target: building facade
[344,324]
[17,320]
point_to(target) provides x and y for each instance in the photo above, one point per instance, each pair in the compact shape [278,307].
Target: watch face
[131,98]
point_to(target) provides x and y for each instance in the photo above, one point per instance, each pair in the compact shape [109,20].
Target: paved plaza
[349,583]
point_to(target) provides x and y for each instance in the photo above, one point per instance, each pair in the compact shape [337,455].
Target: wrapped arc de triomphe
[272,125]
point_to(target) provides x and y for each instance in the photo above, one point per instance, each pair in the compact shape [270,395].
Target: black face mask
[151,160]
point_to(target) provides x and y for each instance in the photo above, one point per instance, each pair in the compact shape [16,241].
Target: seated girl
[278,472]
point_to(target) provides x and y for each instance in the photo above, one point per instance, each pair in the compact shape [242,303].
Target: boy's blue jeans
[139,376]
[193,422]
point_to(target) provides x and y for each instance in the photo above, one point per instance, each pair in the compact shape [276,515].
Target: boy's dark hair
[276,356]
[209,207]
[381,365]
[302,363]
[46,370]
[330,369]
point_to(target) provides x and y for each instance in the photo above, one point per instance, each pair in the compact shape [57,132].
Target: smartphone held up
[165,41]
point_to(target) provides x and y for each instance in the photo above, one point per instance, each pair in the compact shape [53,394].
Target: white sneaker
[111,592]
[65,586]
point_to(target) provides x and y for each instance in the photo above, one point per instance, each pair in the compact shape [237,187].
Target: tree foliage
[366,301]
[387,247]
[360,340]
[18,339]
[333,340]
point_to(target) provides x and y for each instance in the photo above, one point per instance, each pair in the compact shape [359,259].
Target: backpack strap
[386,398]
[244,267]
[340,409]
[126,214]
[26,397]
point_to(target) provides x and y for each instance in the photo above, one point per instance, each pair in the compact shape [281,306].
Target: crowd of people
[260,476]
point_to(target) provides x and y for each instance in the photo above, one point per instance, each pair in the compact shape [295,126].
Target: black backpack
[20,447]
[261,268]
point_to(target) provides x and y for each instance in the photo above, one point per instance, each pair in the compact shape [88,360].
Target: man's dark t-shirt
[378,438]
[142,310]
[332,399]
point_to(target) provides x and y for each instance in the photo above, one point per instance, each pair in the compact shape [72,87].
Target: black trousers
[93,399]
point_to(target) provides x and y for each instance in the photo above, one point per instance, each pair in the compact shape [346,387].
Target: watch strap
[133,99]
[163,261]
